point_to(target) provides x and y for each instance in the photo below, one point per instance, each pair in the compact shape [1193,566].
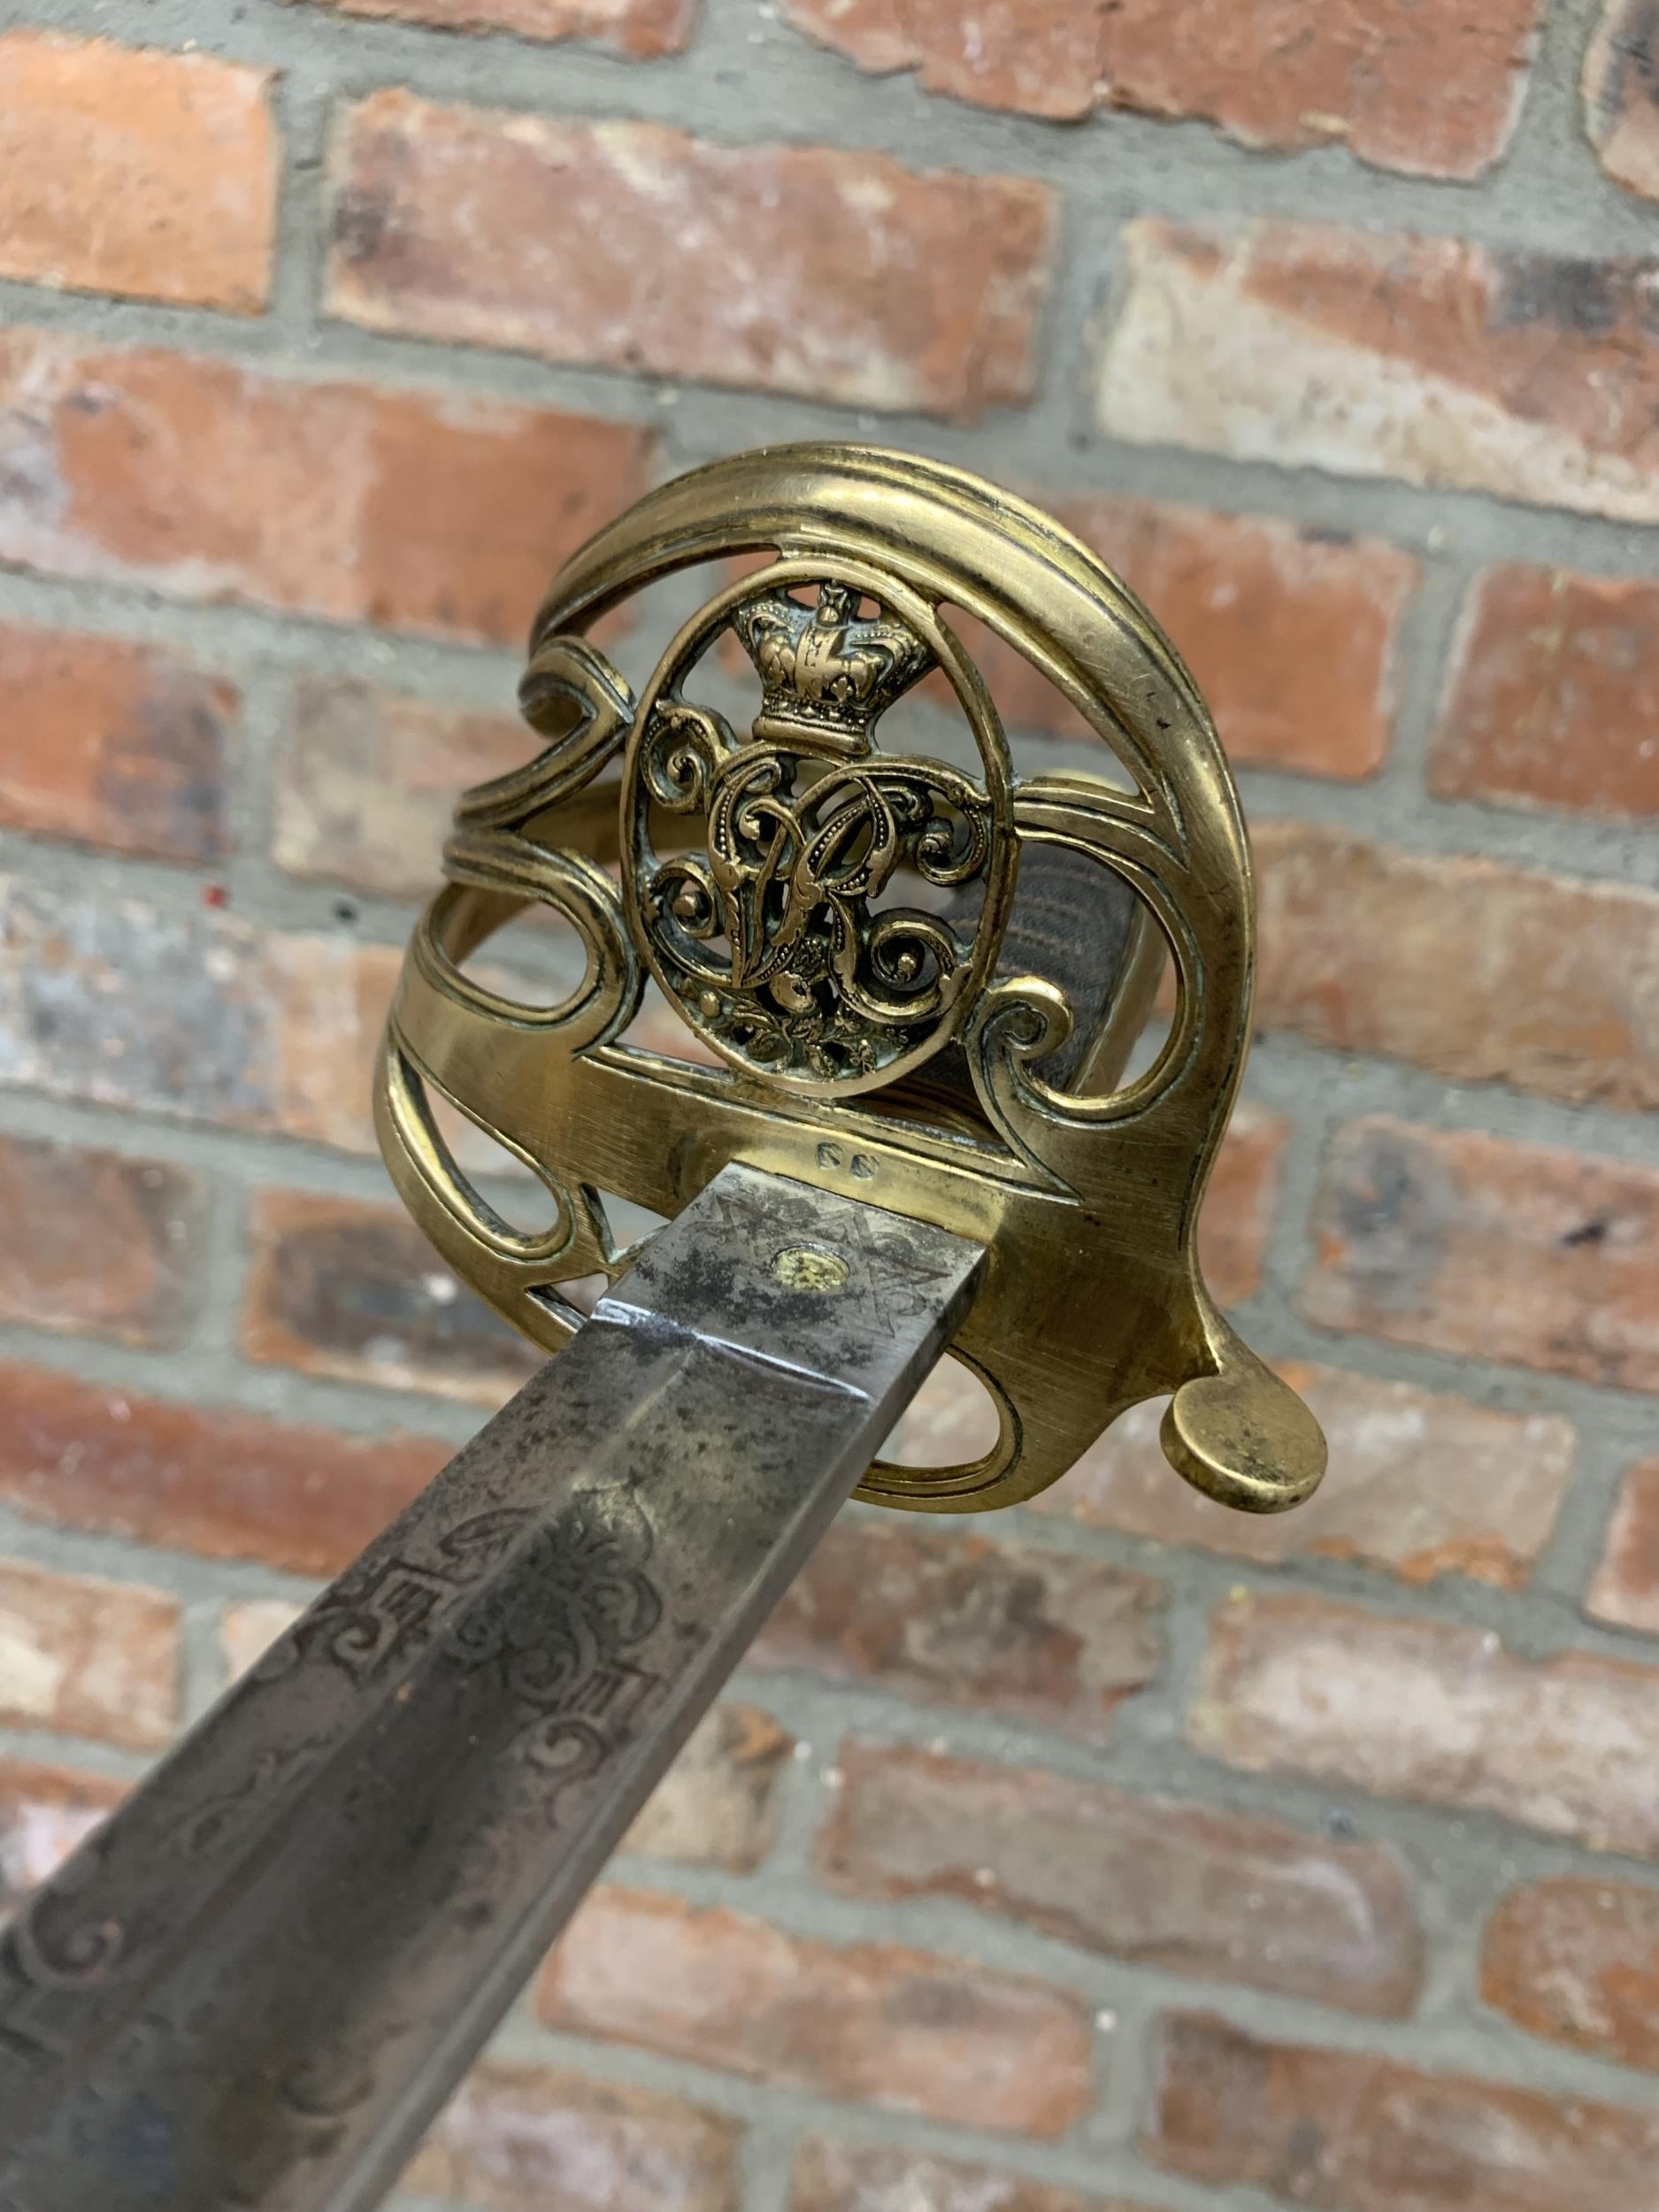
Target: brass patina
[828,918]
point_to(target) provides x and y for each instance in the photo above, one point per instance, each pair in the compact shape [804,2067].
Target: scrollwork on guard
[777,932]
[830,917]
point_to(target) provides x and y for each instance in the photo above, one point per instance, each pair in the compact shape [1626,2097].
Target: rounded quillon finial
[895,967]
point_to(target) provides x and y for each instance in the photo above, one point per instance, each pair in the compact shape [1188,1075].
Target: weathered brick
[1039,1636]
[1419,1484]
[1555,698]
[200,1479]
[839,276]
[45,1812]
[1189,1888]
[1477,971]
[336,1286]
[1448,1716]
[1624,1588]
[1471,1244]
[97,1243]
[522,2139]
[1433,90]
[1579,1960]
[870,2022]
[1349,2131]
[718,1804]
[832,2177]
[1528,375]
[190,1014]
[87,1658]
[132,171]
[1237,1209]
[642,29]
[1621,95]
[367,781]
[207,481]
[1291,633]
[115,744]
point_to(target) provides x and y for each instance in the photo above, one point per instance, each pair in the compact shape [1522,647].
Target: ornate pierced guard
[831,919]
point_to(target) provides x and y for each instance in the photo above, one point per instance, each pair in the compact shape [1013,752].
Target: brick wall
[1117,1854]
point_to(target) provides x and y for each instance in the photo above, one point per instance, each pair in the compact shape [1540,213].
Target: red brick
[338,1287]
[1189,1889]
[1433,90]
[1349,2131]
[870,2022]
[1625,1587]
[199,1478]
[1418,1485]
[1554,699]
[45,1812]
[802,269]
[367,782]
[87,1658]
[1528,375]
[114,744]
[1473,1245]
[208,480]
[196,1014]
[1238,1209]
[1473,970]
[192,1015]
[718,1804]
[1579,1962]
[1292,634]
[1448,1716]
[523,2139]
[95,1243]
[641,29]
[1038,1636]
[133,171]
[831,2177]
[1621,95]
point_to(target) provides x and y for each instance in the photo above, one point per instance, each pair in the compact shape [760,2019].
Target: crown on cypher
[827,675]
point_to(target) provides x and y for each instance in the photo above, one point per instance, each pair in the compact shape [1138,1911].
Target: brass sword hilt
[839,926]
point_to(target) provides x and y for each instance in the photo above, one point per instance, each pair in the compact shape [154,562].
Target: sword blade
[255,1984]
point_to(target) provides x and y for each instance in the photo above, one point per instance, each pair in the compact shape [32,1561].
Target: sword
[255,1985]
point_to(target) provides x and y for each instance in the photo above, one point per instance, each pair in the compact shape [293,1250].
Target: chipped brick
[870,2022]
[1475,970]
[1555,698]
[1039,1636]
[1410,1709]
[1477,1245]
[97,1243]
[1528,375]
[1189,1889]
[200,1479]
[114,744]
[128,169]
[835,275]
[207,481]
